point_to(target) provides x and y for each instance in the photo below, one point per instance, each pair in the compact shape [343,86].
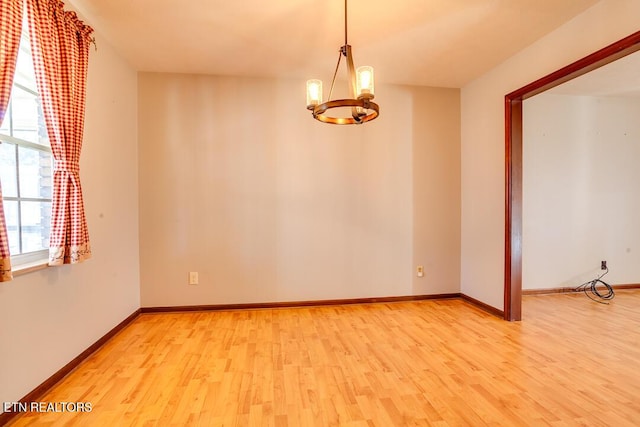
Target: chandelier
[360,83]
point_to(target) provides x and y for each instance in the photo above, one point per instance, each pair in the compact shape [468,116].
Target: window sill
[29,267]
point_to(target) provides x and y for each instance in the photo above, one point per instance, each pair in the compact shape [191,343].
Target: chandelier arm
[357,113]
[351,72]
[335,73]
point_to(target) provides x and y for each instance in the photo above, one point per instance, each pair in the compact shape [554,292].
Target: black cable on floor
[590,289]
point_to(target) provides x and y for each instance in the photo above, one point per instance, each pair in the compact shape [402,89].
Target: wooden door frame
[513,160]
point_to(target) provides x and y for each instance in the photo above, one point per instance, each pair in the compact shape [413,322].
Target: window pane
[36,217]
[25,106]
[25,171]
[4,126]
[11,219]
[8,173]
[35,173]
[25,75]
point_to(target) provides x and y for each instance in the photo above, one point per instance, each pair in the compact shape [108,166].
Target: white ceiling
[619,78]
[444,43]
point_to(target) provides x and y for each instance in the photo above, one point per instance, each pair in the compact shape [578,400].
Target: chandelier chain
[345,22]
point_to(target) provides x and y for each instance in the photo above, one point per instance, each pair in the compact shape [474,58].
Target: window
[26,167]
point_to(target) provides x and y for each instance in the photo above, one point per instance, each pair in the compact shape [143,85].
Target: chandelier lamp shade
[359,108]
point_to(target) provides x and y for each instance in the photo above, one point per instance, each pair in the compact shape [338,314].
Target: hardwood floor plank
[570,362]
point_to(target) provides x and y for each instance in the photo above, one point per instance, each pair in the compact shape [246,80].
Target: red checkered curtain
[60,48]
[10,29]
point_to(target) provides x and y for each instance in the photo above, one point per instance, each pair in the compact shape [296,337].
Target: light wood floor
[443,363]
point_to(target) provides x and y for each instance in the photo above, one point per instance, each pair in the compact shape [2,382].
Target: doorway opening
[513,160]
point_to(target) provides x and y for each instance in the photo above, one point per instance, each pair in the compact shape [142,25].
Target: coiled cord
[590,289]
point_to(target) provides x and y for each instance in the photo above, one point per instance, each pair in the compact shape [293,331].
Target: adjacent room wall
[482,107]
[240,184]
[49,317]
[581,200]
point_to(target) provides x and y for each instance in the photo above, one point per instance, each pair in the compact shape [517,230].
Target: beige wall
[238,183]
[436,190]
[482,271]
[49,317]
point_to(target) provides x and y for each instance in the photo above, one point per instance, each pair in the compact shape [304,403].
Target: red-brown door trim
[513,160]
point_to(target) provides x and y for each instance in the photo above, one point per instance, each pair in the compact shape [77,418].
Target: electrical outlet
[420,271]
[193,277]
[603,265]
